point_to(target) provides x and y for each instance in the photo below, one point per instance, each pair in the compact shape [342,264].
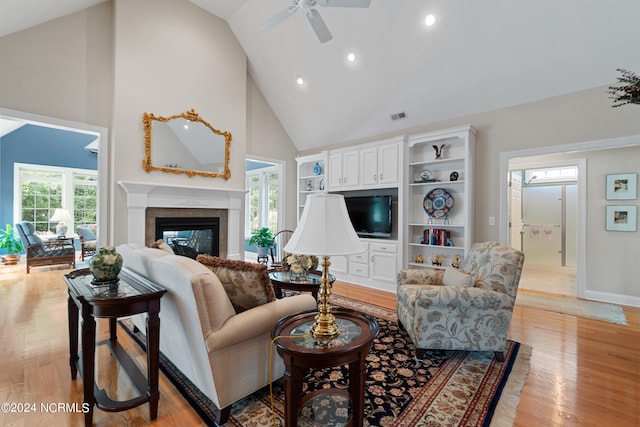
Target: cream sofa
[222,350]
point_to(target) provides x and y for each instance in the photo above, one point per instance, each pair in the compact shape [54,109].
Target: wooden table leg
[357,371]
[72,311]
[293,376]
[153,356]
[88,361]
[113,325]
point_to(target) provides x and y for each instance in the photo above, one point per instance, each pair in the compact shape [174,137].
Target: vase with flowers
[299,266]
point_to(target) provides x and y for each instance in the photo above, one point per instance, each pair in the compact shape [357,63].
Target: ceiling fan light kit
[312,15]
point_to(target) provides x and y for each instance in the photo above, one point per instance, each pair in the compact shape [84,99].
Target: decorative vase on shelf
[105,266]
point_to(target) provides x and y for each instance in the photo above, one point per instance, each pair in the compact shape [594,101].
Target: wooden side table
[130,296]
[351,347]
[282,279]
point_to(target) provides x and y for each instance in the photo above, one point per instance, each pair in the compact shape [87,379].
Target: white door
[542,216]
[515,214]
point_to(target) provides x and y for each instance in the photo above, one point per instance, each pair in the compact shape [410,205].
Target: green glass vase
[105,265]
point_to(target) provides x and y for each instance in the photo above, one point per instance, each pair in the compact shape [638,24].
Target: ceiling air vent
[399,116]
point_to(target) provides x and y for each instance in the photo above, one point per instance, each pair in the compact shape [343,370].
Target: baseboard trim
[612,298]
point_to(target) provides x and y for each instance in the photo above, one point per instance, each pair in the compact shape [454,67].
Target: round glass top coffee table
[285,280]
[351,347]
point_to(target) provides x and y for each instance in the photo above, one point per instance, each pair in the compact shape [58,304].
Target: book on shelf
[437,237]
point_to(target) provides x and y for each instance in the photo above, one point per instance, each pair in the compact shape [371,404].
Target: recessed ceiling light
[299,80]
[351,57]
[186,127]
[429,20]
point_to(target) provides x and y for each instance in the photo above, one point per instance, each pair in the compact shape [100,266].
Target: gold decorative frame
[147,120]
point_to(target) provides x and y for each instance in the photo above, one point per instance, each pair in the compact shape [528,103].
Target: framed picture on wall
[621,218]
[622,186]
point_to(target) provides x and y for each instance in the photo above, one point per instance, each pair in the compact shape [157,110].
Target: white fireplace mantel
[142,195]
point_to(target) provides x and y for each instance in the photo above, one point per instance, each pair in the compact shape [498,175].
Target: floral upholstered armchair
[465,309]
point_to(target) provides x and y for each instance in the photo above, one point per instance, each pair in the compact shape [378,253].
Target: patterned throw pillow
[247,284]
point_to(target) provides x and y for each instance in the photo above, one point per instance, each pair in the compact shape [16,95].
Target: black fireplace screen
[190,236]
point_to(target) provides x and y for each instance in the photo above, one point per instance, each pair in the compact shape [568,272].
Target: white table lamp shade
[325,228]
[61,215]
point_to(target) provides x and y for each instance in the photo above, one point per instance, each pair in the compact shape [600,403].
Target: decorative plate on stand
[438,203]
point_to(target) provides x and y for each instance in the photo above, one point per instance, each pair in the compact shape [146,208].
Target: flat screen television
[370,215]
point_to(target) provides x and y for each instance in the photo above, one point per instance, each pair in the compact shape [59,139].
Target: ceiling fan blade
[278,18]
[318,25]
[344,3]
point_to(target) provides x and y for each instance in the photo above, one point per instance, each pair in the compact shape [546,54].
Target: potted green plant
[263,239]
[627,93]
[12,244]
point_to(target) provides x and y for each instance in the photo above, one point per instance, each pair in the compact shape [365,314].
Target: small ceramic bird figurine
[438,150]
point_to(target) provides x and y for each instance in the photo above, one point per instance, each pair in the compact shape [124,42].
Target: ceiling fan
[312,15]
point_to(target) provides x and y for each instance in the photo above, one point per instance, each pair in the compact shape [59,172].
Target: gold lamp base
[325,328]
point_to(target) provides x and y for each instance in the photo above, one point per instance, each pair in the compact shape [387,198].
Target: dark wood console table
[130,296]
[351,347]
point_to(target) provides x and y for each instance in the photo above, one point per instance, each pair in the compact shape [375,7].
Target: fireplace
[203,230]
[190,237]
[147,201]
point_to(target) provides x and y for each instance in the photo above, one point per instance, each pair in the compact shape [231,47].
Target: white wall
[170,57]
[267,139]
[62,68]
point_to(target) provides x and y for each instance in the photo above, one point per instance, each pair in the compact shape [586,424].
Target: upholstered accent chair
[39,253]
[465,309]
[88,240]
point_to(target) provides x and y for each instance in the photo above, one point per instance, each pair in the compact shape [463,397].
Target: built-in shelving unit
[311,177]
[426,174]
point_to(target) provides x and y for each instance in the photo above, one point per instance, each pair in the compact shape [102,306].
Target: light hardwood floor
[583,372]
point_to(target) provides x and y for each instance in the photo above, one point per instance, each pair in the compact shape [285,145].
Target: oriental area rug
[447,388]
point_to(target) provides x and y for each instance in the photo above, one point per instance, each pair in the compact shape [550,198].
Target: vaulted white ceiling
[479,56]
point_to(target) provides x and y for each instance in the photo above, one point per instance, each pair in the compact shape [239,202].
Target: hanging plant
[628,93]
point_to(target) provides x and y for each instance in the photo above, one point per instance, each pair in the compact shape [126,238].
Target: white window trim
[67,185]
[263,215]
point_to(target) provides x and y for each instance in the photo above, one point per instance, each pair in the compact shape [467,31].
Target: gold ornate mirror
[185,143]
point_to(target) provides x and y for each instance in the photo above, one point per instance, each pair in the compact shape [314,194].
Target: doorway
[100,147]
[544,221]
[264,204]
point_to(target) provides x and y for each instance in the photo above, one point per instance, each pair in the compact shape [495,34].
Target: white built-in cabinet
[311,177]
[343,169]
[366,166]
[377,266]
[397,163]
[379,164]
[457,157]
